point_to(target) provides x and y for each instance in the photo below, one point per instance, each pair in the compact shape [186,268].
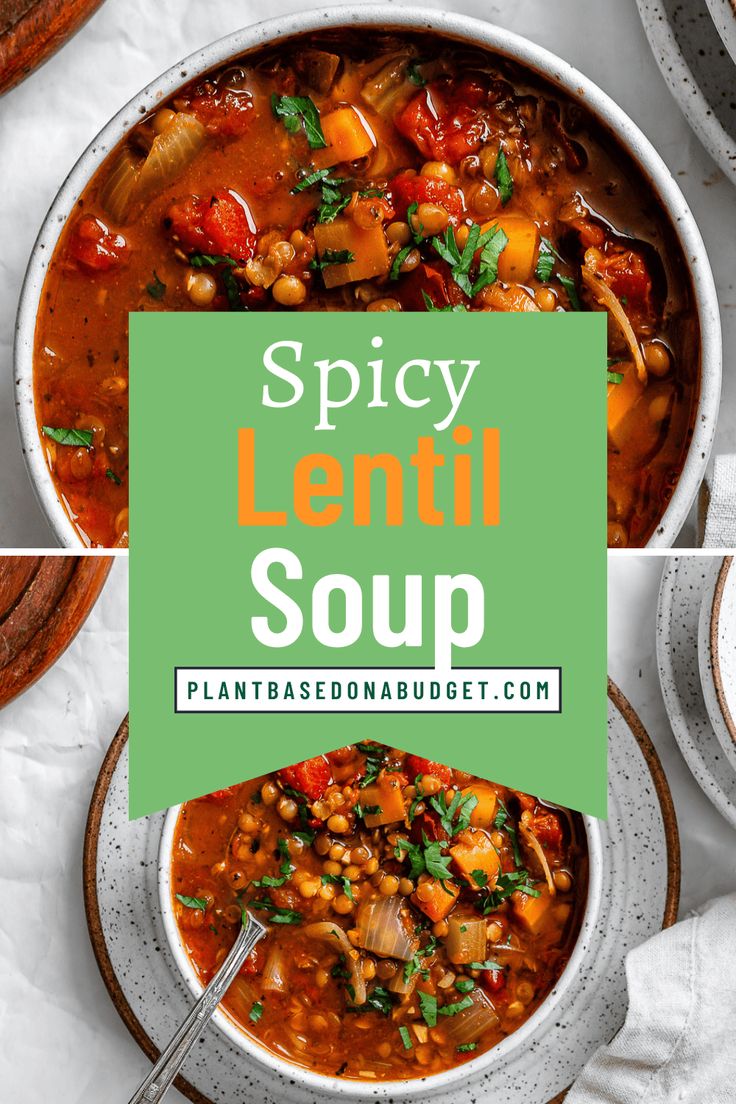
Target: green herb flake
[405,1037]
[504,179]
[428,1008]
[295,111]
[453,1009]
[278,915]
[572,292]
[488,266]
[464,1048]
[465,985]
[337,879]
[398,261]
[545,260]
[110,474]
[79,438]
[479,877]
[316,177]
[378,1000]
[454,309]
[210,260]
[332,257]
[413,74]
[157,288]
[460,261]
[256,1012]
[192,902]
[615,377]
[487,965]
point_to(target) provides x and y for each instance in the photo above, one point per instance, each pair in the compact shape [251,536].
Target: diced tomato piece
[221,795]
[446,124]
[255,961]
[221,225]
[406,189]
[221,111]
[627,275]
[428,824]
[416,765]
[548,830]
[96,247]
[493,981]
[312,777]
[435,282]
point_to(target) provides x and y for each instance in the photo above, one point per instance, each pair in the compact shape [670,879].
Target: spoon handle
[172,1058]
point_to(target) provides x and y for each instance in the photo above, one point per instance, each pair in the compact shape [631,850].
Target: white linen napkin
[678,1043]
[717,512]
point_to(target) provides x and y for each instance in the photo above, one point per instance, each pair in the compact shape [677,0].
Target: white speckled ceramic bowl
[723,14]
[422,1086]
[373,16]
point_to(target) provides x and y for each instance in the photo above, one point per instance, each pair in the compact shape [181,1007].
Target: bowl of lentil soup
[248,176]
[423,922]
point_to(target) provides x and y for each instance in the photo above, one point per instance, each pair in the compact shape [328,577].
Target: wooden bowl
[32,30]
[44,601]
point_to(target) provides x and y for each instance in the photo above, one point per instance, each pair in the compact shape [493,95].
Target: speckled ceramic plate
[718,643]
[641,886]
[684,581]
[714,703]
[698,70]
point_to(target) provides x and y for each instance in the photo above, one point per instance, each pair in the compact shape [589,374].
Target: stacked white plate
[696,654]
[694,45]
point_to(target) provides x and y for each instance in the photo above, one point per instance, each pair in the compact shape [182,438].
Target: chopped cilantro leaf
[332,257]
[297,110]
[192,902]
[405,1037]
[572,292]
[465,1047]
[79,437]
[110,474]
[157,288]
[428,1008]
[615,377]
[453,1009]
[256,1012]
[504,179]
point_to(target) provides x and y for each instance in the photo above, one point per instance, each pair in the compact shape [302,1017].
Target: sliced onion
[602,294]
[382,931]
[172,150]
[336,938]
[467,939]
[468,1026]
[531,840]
[383,89]
[274,975]
[116,194]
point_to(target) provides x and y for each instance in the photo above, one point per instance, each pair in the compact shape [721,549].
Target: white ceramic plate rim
[705,666]
[723,14]
[721,631]
[682,84]
[336,1086]
[491,37]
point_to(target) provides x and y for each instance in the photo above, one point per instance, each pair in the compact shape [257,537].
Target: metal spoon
[172,1059]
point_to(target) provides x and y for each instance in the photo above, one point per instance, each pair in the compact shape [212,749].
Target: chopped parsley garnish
[332,201]
[405,1037]
[501,822]
[460,261]
[363,811]
[479,877]
[425,858]
[413,74]
[465,1047]
[453,1009]
[454,817]
[232,291]
[398,261]
[418,233]
[419,795]
[316,177]
[448,307]
[278,915]
[192,902]
[297,110]
[428,1008]
[286,869]
[256,1012]
[82,438]
[307,836]
[157,288]
[332,257]
[337,879]
[378,1000]
[487,965]
[504,179]
[491,251]
[110,474]
[375,759]
[465,985]
[209,260]
[615,377]
[414,965]
[572,292]
[546,260]
[506,885]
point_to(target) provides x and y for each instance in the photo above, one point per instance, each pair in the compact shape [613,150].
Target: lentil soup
[355,171]
[418,914]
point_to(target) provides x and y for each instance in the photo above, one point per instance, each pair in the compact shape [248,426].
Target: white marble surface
[47,121]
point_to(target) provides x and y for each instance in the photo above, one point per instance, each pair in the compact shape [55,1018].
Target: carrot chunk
[516,262]
[367,248]
[474,855]
[622,397]
[531,911]
[387,796]
[437,898]
[347,138]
